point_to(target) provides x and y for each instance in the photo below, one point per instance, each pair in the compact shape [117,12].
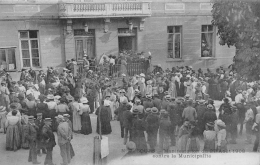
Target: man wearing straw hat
[48,140]
[64,134]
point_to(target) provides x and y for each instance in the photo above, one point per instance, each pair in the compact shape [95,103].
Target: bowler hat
[154,110]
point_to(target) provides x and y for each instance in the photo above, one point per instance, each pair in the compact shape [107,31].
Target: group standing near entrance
[155,110]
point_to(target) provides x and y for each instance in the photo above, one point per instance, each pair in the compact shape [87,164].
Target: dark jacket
[209,116]
[48,137]
[127,119]
[40,125]
[157,103]
[152,122]
[147,104]
[119,111]
[31,135]
[165,126]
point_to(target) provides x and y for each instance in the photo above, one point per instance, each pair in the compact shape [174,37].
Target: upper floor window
[207,48]
[29,45]
[174,41]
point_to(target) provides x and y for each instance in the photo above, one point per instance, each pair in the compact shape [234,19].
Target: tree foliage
[238,25]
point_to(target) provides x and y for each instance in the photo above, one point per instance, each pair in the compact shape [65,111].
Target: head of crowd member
[149,98]
[66,117]
[59,118]
[39,116]
[48,122]
[154,110]
[31,119]
[50,97]
[148,110]
[63,100]
[14,112]
[190,102]
[122,92]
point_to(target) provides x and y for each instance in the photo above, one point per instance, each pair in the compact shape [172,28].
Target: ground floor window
[29,45]
[7,59]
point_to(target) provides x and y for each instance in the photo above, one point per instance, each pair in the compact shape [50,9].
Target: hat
[210,106]
[123,75]
[107,103]
[148,97]
[122,91]
[149,82]
[13,106]
[47,119]
[228,93]
[210,124]
[239,91]
[220,123]
[148,110]
[84,100]
[136,91]
[59,117]
[166,92]
[50,97]
[39,114]
[65,69]
[57,97]
[30,117]
[135,111]
[130,146]
[187,97]
[142,75]
[163,111]
[66,115]
[154,110]
[167,97]
[201,102]
[108,95]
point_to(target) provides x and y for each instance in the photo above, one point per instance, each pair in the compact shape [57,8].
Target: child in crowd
[221,136]
[193,143]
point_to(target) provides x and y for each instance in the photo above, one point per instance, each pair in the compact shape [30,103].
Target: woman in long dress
[86,127]
[103,113]
[76,115]
[13,138]
[172,89]
[24,131]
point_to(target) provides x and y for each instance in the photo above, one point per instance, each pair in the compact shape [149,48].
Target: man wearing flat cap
[48,139]
[31,135]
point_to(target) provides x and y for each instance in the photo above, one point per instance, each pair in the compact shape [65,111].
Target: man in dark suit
[39,123]
[32,137]
[48,139]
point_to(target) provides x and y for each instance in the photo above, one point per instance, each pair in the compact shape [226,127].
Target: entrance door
[126,39]
[126,43]
[86,44]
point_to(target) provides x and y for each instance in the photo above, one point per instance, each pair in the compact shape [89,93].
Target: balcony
[103,10]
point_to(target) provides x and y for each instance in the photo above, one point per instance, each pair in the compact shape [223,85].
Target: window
[174,41]
[207,41]
[29,41]
[7,59]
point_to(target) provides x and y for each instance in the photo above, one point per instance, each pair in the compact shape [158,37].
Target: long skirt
[13,141]
[182,142]
[209,146]
[223,146]
[25,141]
[140,142]
[85,124]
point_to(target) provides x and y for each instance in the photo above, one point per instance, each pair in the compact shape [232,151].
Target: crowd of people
[177,104]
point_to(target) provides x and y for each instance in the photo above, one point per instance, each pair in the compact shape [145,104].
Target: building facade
[42,33]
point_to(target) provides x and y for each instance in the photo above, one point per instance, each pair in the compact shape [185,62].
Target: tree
[238,25]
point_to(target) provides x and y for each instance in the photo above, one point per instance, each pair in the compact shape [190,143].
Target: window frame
[6,50]
[213,40]
[173,43]
[30,48]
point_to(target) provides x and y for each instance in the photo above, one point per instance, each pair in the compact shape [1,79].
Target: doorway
[127,40]
[84,43]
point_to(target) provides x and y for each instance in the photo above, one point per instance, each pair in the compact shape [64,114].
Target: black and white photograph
[129,82]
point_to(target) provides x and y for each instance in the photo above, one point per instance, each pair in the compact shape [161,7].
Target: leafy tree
[238,25]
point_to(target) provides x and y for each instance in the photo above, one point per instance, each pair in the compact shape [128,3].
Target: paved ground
[83,146]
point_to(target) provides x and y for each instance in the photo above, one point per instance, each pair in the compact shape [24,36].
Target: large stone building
[42,33]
